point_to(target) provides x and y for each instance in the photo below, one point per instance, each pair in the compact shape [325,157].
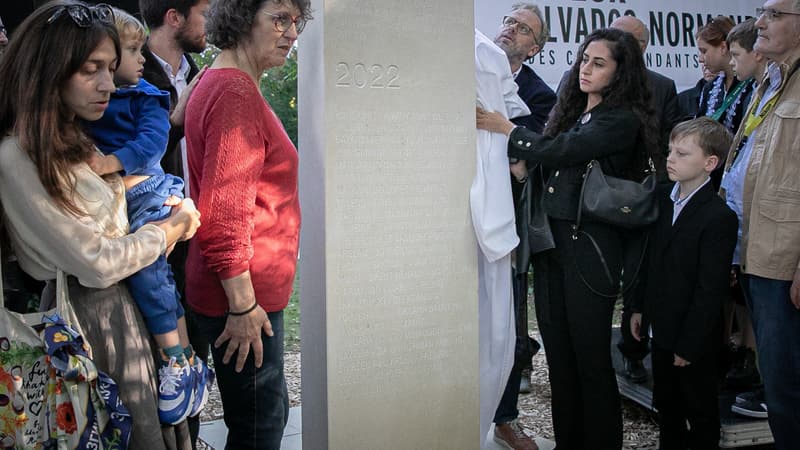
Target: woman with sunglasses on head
[603,113]
[243,175]
[60,215]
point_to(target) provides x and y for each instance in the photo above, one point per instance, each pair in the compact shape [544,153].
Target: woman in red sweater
[243,177]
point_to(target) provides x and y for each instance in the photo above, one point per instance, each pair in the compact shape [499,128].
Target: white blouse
[96,248]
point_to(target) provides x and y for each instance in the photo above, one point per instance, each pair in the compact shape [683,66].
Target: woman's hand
[492,121]
[189,215]
[677,361]
[104,164]
[244,332]
[179,113]
[519,170]
[636,326]
[182,223]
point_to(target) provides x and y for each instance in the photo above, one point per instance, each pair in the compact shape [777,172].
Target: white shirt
[517,72]
[179,81]
[678,202]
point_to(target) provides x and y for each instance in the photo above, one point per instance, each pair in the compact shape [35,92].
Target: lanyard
[754,119]
[728,100]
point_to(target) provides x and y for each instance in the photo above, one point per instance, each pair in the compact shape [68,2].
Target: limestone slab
[388,257]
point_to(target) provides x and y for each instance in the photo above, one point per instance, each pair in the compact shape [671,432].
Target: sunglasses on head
[84,15]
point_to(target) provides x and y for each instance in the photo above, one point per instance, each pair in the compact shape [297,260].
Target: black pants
[684,394]
[576,331]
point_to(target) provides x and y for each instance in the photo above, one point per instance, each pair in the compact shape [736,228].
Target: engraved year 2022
[361,75]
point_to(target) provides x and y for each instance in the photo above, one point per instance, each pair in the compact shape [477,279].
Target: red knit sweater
[243,178]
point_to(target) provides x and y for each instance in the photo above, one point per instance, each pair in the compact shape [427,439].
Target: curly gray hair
[231,21]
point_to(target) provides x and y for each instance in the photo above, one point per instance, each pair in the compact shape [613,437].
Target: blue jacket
[135,128]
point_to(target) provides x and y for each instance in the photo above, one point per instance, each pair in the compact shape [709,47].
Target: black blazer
[610,135]
[689,100]
[687,274]
[172,162]
[538,96]
[540,99]
[665,102]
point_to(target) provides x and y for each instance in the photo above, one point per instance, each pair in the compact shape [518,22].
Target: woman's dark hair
[229,22]
[33,71]
[629,88]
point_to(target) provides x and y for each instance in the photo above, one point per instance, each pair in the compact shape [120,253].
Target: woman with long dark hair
[603,113]
[60,215]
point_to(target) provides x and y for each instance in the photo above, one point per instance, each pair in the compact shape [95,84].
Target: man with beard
[523,33]
[177,28]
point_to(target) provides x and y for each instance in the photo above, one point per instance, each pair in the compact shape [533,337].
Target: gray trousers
[112,325]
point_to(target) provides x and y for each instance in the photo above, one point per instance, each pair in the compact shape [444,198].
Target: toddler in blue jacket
[133,134]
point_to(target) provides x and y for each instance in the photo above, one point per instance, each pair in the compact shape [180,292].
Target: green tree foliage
[278,86]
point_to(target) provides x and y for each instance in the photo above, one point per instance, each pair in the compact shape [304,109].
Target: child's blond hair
[128,27]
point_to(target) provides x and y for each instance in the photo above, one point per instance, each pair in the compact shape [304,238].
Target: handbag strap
[606,268]
[577,225]
[576,230]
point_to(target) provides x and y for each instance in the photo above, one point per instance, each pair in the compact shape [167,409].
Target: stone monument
[389,313]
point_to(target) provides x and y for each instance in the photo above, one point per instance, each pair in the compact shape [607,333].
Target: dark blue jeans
[776,324]
[255,401]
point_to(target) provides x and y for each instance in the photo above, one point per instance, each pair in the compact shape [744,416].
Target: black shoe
[635,371]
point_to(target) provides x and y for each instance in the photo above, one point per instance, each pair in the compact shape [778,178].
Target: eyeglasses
[285,20]
[523,29]
[83,15]
[773,14]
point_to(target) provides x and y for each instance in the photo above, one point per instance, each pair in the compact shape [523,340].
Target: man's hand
[636,326]
[794,292]
[244,332]
[678,361]
[179,113]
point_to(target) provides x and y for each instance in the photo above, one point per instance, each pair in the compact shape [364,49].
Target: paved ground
[213,434]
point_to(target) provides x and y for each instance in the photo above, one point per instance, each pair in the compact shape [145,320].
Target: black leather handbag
[616,201]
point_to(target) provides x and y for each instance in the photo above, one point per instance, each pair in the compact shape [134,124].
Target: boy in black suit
[686,281]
